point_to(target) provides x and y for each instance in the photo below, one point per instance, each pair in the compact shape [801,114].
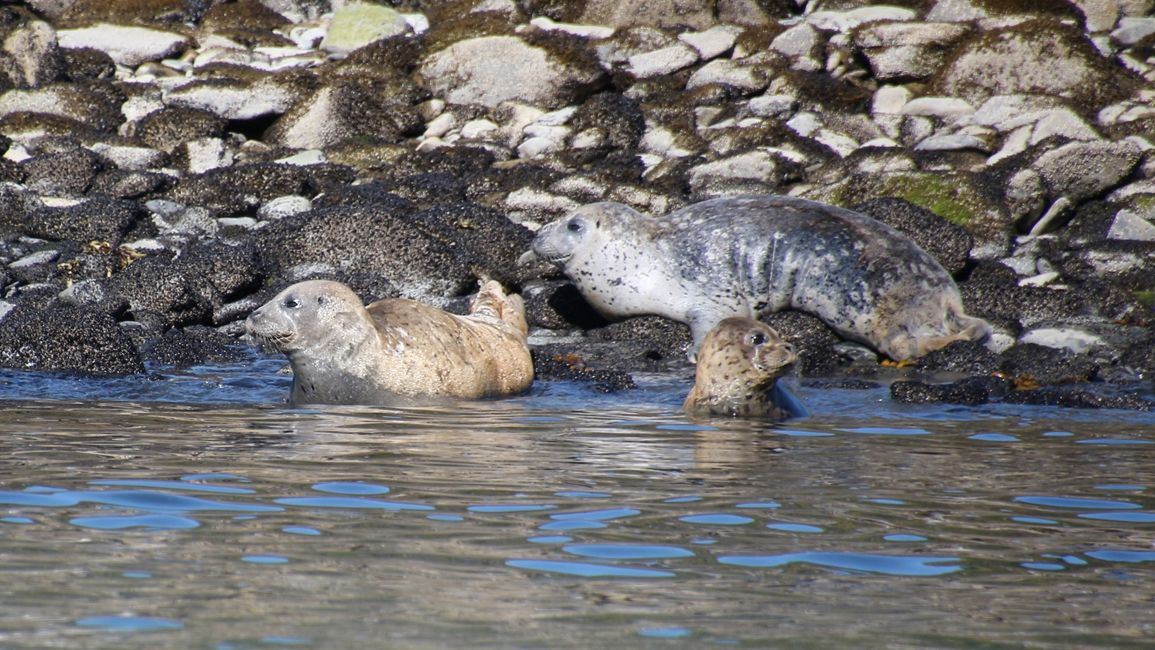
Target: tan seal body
[753,255]
[394,351]
[739,365]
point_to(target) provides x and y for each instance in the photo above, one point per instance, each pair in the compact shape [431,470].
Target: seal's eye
[291,303]
[757,338]
[574,226]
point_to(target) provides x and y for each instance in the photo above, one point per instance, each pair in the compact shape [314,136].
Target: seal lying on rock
[751,255]
[394,351]
[739,365]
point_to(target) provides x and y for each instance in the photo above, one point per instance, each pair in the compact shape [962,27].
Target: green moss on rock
[958,197]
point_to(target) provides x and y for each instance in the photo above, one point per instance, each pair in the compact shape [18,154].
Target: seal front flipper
[785,400]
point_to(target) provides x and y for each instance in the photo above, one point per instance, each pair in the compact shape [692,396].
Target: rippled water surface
[194,510]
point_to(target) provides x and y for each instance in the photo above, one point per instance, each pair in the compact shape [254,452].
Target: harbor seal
[397,350]
[757,254]
[739,365]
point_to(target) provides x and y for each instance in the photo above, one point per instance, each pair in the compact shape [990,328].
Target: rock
[232,190]
[695,14]
[969,392]
[168,128]
[95,105]
[662,62]
[130,157]
[490,70]
[203,154]
[404,253]
[943,108]
[1043,57]
[1132,30]
[67,173]
[962,198]
[993,293]
[345,109]
[284,206]
[620,119]
[1125,263]
[712,42]
[1074,397]
[1083,170]
[802,44]
[960,358]
[127,45]
[95,219]
[1131,226]
[66,338]
[29,56]
[94,293]
[648,340]
[905,51]
[357,24]
[234,99]
[193,346]
[558,363]
[751,74]
[752,172]
[1033,364]
[813,341]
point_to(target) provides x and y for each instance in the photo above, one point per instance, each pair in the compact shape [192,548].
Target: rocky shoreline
[169,165]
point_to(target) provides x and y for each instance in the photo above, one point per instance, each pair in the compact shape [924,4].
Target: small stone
[478,129]
[595,32]
[662,62]
[711,43]
[801,44]
[772,105]
[127,45]
[357,24]
[951,142]
[440,125]
[1131,226]
[207,153]
[284,206]
[940,107]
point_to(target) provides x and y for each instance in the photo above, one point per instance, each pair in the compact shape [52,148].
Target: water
[194,510]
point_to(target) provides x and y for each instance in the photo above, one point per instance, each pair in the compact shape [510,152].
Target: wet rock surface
[167,167]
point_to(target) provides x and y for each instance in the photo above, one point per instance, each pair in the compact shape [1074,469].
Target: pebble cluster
[168,165]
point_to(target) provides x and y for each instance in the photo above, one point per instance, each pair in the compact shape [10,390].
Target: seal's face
[556,242]
[741,346]
[304,316]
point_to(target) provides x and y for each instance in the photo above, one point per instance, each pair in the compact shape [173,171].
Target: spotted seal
[752,255]
[397,350]
[739,365]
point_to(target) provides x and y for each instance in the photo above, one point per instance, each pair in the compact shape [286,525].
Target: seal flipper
[785,400]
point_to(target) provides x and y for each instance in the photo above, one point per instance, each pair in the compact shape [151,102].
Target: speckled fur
[394,351]
[752,255]
[739,364]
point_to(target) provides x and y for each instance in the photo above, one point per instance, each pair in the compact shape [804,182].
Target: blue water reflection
[895,565]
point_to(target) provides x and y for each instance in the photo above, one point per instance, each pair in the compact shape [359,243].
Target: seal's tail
[493,302]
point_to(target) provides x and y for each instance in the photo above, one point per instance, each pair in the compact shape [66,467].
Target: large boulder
[490,70]
[1043,57]
[379,239]
[66,338]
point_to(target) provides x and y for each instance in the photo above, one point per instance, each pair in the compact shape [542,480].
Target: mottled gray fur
[752,255]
